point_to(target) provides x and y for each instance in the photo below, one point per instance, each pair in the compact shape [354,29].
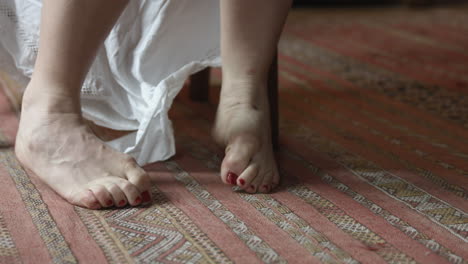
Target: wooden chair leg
[273,101]
[199,88]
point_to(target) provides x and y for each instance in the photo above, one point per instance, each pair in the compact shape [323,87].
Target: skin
[55,143]
[248,43]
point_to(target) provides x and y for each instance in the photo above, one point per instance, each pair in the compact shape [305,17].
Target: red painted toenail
[122,203]
[146,196]
[231,178]
[252,187]
[241,181]
[110,202]
[265,187]
[138,200]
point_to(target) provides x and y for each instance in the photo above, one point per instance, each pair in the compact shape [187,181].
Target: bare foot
[54,142]
[243,126]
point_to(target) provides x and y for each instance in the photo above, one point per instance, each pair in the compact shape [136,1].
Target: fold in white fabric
[153,48]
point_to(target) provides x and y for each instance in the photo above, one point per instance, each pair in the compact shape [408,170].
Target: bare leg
[249,35]
[53,140]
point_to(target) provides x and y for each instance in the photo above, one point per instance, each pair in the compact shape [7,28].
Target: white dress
[143,64]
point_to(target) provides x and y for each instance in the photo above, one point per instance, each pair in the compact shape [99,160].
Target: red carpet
[374,161]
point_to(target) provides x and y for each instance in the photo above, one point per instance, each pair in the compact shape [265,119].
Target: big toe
[84,198]
[239,153]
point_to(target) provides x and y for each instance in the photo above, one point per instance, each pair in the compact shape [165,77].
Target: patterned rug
[374,161]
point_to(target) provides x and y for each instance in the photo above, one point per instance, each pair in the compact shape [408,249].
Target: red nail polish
[138,200]
[122,203]
[242,182]
[231,178]
[252,187]
[110,202]
[146,196]
[265,187]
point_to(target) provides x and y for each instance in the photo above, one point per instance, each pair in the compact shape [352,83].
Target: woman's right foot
[54,142]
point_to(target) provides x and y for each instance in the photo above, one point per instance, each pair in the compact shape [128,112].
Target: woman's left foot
[243,127]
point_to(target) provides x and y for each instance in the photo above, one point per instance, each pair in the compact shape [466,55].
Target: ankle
[244,80]
[49,98]
[250,75]
[247,92]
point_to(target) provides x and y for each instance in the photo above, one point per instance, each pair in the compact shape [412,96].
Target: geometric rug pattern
[373,157]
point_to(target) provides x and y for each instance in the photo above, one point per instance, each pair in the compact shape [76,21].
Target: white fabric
[151,51]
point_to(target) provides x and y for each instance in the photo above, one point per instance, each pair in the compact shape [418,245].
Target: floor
[373,157]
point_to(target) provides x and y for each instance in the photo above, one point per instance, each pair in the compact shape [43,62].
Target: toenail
[265,187]
[109,203]
[252,187]
[138,200]
[231,178]
[146,196]
[241,181]
[122,203]
[95,205]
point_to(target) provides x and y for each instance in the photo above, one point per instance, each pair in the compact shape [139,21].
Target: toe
[102,195]
[238,155]
[247,177]
[276,180]
[131,192]
[255,184]
[266,185]
[139,178]
[117,194]
[270,178]
[84,198]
